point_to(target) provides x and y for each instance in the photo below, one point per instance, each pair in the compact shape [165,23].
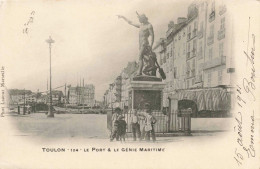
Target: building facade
[117,94]
[82,95]
[196,56]
[18,96]
[218,57]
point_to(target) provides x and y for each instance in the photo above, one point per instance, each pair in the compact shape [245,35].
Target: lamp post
[50,113]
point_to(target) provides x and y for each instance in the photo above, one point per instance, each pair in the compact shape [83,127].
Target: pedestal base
[145,89]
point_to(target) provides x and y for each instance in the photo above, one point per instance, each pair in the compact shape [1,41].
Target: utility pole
[83,95]
[50,113]
[23,101]
[65,96]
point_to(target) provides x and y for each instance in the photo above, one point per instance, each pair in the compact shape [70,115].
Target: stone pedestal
[145,89]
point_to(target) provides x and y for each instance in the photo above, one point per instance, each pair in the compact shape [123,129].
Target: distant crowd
[142,124]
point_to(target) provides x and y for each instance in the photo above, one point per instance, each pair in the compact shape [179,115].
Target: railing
[161,126]
[210,40]
[221,34]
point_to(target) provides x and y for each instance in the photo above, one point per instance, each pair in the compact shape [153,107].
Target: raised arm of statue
[128,21]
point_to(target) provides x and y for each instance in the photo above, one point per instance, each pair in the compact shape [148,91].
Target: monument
[145,87]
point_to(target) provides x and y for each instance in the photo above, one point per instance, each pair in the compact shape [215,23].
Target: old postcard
[132,84]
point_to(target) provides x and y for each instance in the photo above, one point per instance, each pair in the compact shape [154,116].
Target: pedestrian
[121,130]
[149,125]
[141,115]
[115,119]
[145,125]
[135,125]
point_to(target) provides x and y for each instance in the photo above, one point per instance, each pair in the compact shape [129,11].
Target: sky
[90,41]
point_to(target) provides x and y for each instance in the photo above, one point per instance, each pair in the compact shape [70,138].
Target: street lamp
[50,113]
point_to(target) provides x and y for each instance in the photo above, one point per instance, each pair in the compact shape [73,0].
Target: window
[222,25]
[200,70]
[179,52]
[210,53]
[201,26]
[193,81]
[209,79]
[200,50]
[219,77]
[221,49]
[193,64]
[211,30]
[184,48]
[188,66]
[195,44]
[161,60]
[164,59]
[175,72]
[195,25]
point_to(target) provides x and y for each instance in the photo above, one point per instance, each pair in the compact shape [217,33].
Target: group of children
[118,126]
[142,125]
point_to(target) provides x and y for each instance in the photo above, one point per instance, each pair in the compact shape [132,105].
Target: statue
[146,55]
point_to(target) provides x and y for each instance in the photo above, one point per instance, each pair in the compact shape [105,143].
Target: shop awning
[213,99]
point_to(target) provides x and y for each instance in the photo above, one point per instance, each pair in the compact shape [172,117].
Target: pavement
[83,126]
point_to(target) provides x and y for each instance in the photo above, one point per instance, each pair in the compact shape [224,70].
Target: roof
[19,92]
[56,92]
[175,30]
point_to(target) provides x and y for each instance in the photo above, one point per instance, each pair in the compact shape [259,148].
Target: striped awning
[214,99]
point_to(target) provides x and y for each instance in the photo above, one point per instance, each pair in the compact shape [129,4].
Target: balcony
[212,16]
[210,40]
[191,54]
[221,34]
[214,62]
[200,34]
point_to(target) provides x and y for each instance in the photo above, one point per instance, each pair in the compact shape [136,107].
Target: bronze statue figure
[146,55]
